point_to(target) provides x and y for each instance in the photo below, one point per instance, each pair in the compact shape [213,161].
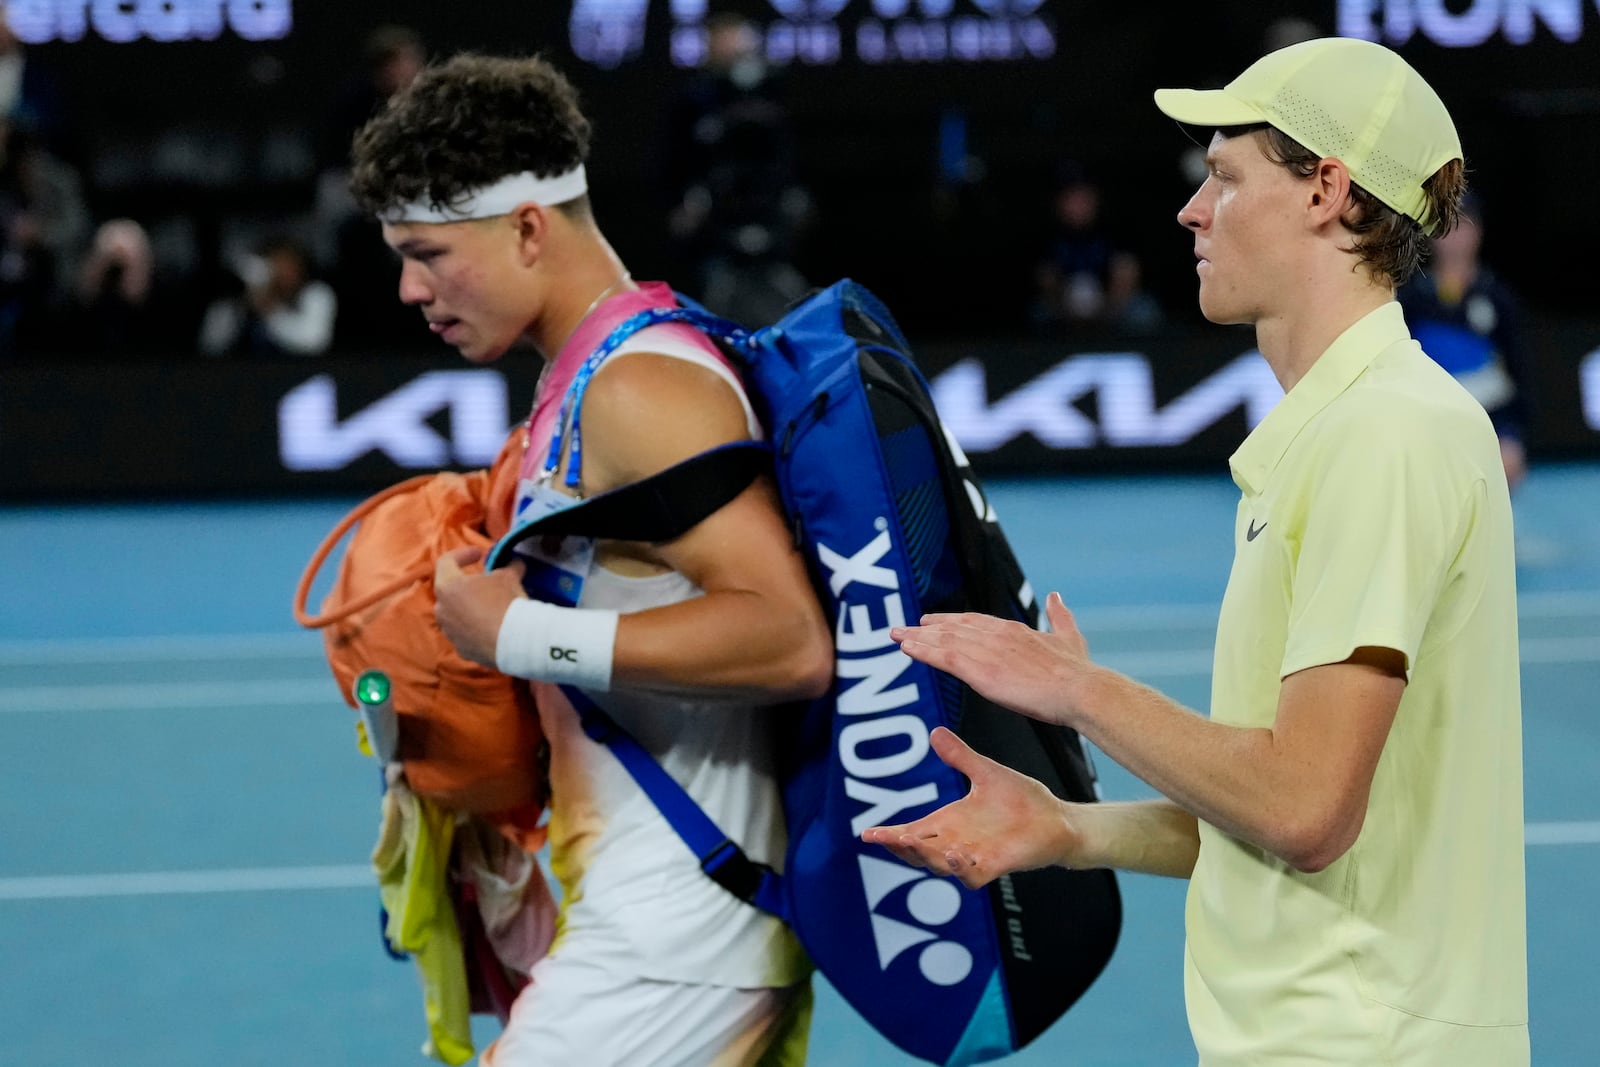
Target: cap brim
[1207,107]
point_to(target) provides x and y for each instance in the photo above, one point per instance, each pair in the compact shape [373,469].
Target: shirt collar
[1351,353]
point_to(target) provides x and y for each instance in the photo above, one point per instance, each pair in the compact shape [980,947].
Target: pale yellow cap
[1343,98]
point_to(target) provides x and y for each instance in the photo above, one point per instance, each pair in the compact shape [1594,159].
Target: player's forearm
[1231,777]
[732,644]
[1146,836]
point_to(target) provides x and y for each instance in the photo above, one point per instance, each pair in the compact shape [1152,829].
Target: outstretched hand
[1027,670]
[1007,822]
[469,607]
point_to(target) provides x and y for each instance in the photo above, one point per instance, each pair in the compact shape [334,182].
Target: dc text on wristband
[546,643]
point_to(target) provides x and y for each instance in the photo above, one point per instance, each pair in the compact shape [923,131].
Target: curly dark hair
[1387,243]
[464,124]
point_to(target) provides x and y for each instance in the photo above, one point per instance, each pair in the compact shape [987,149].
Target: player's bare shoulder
[643,412]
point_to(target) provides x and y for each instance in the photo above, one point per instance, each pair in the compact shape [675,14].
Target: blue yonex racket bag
[894,524]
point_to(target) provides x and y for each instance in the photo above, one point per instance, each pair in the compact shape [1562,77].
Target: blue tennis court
[183,876]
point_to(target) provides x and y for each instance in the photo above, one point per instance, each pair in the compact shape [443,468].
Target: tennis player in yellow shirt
[1350,814]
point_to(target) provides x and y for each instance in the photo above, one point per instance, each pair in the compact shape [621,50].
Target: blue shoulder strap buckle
[728,866]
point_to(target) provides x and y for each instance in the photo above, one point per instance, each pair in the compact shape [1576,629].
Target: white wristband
[547,643]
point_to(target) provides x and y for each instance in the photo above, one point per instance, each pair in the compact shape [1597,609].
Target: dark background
[1529,116]
[204,133]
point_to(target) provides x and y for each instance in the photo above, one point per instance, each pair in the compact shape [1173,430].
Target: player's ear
[532,224]
[1328,191]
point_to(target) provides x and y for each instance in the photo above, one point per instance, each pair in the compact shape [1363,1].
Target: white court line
[168,696]
[1179,663]
[160,649]
[297,879]
[165,883]
[1562,833]
[269,646]
[1558,605]
[245,693]
[1559,649]
[1147,617]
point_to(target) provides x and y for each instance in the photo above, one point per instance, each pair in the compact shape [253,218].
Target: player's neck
[579,281]
[1293,341]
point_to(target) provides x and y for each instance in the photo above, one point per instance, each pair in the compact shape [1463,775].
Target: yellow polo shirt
[1374,512]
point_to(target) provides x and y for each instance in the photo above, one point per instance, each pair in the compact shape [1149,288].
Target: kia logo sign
[1125,396]
[312,436]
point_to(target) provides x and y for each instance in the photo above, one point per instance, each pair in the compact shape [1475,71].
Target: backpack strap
[723,861]
[660,508]
[731,334]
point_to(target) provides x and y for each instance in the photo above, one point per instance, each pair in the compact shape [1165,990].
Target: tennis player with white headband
[1349,816]
[499,198]
[477,173]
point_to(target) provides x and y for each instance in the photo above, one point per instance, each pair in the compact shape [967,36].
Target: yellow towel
[411,860]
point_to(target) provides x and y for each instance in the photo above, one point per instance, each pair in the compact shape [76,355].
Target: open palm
[1007,822]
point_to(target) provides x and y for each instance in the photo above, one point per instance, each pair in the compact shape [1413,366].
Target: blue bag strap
[713,326]
[720,858]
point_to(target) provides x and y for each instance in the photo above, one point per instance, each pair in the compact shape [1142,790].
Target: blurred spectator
[118,307]
[43,226]
[1470,322]
[1085,277]
[280,310]
[348,245]
[29,93]
[739,207]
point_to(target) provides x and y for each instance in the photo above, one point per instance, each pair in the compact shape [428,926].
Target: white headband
[499,198]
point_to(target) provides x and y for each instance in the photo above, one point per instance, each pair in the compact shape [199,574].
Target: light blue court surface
[183,875]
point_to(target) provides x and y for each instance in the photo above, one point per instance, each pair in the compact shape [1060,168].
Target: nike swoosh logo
[1254,531]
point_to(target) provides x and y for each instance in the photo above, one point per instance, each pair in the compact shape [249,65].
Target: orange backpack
[468,735]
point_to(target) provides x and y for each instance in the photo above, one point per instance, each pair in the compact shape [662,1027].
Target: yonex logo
[861,567]
[874,745]
[932,902]
[878,744]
